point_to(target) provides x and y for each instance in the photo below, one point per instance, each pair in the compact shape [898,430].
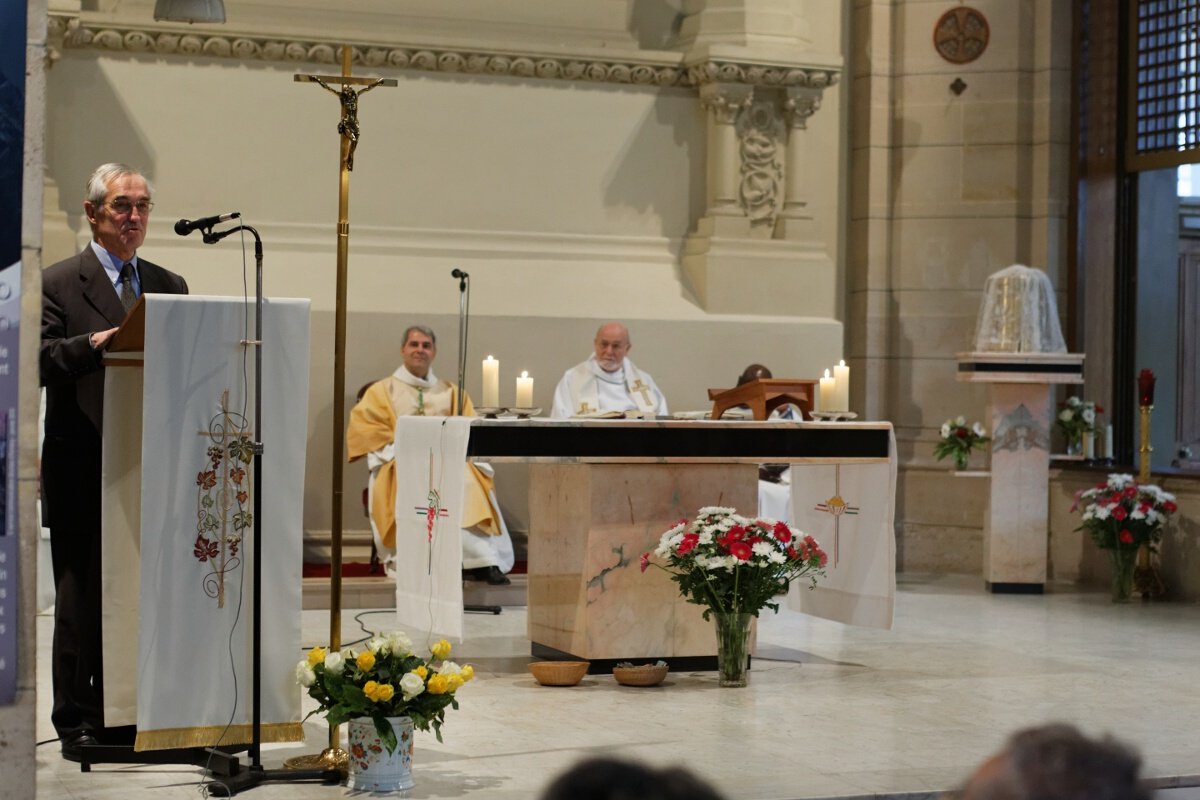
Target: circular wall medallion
[961,35]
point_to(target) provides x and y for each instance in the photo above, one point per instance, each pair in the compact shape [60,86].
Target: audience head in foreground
[614,779]
[1057,762]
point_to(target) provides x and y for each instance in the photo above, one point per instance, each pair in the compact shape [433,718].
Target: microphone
[458,273]
[186,226]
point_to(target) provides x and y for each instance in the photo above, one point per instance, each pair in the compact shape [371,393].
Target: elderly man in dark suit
[84,299]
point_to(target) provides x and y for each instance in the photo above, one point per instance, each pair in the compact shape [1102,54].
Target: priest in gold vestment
[413,389]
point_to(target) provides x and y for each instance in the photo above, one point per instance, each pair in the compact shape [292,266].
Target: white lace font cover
[1019,313]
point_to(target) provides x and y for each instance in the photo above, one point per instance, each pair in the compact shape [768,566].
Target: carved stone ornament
[72,31]
[761,170]
[961,35]
[799,105]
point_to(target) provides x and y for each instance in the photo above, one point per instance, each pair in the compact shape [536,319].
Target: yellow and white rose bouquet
[384,679]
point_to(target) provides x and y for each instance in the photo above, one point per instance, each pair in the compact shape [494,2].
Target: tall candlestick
[841,387]
[825,400]
[491,383]
[524,391]
[1089,445]
[1108,442]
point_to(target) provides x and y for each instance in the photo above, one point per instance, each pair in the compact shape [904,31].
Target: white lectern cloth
[430,452]
[193,665]
[859,587]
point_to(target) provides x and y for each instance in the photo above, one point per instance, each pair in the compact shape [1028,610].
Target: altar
[603,491]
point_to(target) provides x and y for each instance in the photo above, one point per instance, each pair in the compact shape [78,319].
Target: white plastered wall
[566,201]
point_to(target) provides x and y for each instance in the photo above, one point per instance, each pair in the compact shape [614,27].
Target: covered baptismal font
[1021,354]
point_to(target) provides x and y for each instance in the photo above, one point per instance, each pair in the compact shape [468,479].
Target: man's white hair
[97,185]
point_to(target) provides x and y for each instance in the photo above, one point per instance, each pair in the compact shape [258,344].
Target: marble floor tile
[831,711]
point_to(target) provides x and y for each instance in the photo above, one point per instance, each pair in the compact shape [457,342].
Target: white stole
[850,510]
[430,454]
[585,389]
[191,690]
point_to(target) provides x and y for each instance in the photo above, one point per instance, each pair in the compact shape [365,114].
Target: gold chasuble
[373,427]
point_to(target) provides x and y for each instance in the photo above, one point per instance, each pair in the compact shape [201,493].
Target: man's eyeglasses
[124,206]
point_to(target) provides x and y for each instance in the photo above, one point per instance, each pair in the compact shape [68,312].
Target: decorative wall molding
[395,241]
[68,31]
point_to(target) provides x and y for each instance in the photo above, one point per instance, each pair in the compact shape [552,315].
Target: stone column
[18,759]
[756,221]
[724,102]
[799,104]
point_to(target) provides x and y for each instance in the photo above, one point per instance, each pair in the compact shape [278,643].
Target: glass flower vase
[1123,562]
[733,647]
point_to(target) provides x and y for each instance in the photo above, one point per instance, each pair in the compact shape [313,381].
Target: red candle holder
[1145,383]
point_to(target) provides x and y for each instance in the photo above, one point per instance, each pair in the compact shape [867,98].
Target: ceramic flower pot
[372,768]
[733,648]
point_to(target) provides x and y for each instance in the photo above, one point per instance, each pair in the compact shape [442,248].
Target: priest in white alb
[413,389]
[608,381]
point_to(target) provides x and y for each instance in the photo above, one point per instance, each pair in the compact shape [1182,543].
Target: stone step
[380,592]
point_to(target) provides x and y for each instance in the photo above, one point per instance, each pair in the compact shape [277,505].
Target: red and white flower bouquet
[1121,515]
[733,564]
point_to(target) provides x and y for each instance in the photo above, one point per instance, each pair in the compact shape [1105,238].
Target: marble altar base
[589,524]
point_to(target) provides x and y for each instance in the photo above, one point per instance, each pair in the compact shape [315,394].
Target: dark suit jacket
[77,300]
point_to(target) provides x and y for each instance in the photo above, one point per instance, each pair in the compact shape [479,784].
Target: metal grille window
[1165,85]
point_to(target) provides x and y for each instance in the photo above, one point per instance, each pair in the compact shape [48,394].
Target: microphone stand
[256,775]
[464,302]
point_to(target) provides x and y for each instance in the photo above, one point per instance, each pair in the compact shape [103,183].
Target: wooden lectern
[765,395]
[176,490]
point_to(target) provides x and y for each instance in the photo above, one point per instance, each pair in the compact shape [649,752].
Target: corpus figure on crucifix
[608,381]
[348,125]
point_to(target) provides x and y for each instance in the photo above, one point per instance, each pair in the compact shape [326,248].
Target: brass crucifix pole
[349,130]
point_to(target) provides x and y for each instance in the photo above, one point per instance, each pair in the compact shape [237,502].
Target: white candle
[1108,442]
[1089,445]
[491,383]
[825,393]
[524,391]
[841,387]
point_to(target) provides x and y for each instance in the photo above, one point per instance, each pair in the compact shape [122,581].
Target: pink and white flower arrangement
[733,564]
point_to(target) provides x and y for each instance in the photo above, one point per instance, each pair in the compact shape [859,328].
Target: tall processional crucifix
[349,131]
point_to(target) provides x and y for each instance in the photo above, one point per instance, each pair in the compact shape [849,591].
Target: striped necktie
[128,296]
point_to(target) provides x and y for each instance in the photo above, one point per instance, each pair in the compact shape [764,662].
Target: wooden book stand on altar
[765,395]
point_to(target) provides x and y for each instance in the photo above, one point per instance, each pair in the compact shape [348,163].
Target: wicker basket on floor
[558,673]
[644,675]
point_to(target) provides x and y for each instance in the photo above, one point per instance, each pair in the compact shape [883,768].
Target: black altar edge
[640,440]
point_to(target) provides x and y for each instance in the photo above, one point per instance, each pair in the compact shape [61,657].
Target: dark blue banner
[12,148]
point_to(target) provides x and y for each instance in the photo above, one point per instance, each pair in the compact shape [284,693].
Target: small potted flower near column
[958,440]
[383,692]
[1077,419]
